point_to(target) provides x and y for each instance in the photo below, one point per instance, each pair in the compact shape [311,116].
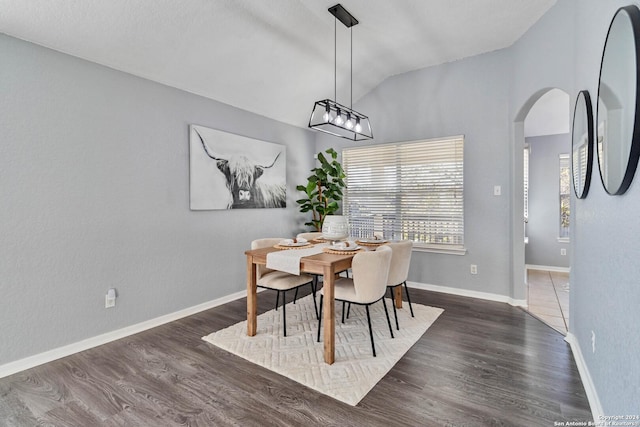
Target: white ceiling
[271,57]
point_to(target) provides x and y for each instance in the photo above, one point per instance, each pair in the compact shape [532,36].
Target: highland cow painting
[235,172]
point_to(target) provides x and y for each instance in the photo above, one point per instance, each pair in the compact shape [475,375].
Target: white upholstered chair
[280,281]
[368,285]
[399,271]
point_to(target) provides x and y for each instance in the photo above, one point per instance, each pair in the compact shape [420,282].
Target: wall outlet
[110,298]
[563,251]
[474,269]
[497,190]
[593,342]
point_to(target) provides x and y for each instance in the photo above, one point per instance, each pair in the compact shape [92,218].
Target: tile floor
[548,298]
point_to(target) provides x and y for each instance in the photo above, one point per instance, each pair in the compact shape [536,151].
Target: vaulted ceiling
[270,57]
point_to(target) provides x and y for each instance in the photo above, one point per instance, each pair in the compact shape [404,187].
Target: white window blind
[526,183]
[565,196]
[410,190]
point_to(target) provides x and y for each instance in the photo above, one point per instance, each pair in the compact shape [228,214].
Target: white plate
[293,245]
[352,248]
[373,240]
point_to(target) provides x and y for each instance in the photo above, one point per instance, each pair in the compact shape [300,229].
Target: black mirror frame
[584,95]
[634,152]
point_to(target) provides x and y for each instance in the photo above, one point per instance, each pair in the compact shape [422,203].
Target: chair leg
[406,289]
[284,312]
[315,304]
[320,317]
[393,304]
[348,310]
[388,320]
[277,299]
[295,296]
[373,347]
[343,307]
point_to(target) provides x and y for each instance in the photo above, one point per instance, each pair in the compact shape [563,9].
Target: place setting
[373,241]
[347,247]
[296,243]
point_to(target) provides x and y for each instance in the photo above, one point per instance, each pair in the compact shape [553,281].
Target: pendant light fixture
[329,116]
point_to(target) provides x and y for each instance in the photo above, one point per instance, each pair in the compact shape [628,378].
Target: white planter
[335,227]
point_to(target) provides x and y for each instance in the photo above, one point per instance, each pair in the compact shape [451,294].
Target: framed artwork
[230,171]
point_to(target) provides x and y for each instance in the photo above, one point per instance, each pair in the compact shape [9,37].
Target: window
[410,190]
[565,196]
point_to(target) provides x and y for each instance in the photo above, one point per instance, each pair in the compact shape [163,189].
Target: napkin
[344,245]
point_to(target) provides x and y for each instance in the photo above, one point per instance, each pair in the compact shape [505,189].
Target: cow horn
[205,147]
[274,162]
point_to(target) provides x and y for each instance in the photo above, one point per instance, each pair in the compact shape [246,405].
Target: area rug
[299,357]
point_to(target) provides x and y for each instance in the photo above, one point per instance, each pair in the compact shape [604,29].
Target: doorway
[545,143]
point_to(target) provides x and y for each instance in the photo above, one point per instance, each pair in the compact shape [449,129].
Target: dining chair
[399,271]
[280,281]
[367,286]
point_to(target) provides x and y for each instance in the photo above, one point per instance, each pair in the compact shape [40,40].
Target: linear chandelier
[328,115]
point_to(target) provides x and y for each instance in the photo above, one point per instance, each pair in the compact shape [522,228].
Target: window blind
[565,196]
[411,190]
[526,183]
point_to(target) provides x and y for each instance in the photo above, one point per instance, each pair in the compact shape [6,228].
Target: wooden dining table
[325,264]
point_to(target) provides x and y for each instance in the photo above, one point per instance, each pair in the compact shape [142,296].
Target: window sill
[440,250]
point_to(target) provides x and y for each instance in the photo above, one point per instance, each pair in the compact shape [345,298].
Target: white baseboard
[585,376]
[67,350]
[471,294]
[548,268]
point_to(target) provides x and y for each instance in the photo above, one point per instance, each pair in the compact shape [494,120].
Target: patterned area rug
[299,357]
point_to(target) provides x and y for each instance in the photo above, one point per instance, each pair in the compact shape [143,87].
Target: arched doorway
[540,229]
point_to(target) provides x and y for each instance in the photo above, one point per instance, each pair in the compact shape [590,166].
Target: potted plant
[323,190]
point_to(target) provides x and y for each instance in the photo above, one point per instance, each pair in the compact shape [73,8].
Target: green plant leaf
[322,159]
[310,188]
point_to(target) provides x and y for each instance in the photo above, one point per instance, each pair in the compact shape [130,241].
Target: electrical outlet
[110,298]
[474,269]
[593,341]
[497,190]
[563,251]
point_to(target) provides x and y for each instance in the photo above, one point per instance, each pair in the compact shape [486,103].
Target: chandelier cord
[335,60]
[351,104]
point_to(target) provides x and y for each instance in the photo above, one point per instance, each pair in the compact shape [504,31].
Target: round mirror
[582,144]
[617,118]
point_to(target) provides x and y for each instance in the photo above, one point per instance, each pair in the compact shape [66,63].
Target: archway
[545,119]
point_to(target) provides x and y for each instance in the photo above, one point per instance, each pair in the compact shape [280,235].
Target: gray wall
[94,184]
[467,97]
[544,203]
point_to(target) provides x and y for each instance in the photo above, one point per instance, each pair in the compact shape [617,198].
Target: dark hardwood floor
[481,363]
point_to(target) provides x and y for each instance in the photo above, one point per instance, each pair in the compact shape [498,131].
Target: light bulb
[358,127]
[327,114]
[349,124]
[339,119]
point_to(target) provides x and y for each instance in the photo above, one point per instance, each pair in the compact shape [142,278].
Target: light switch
[497,190]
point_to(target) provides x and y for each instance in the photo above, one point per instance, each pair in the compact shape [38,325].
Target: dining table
[325,264]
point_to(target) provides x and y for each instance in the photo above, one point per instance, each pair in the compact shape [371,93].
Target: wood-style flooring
[481,364]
